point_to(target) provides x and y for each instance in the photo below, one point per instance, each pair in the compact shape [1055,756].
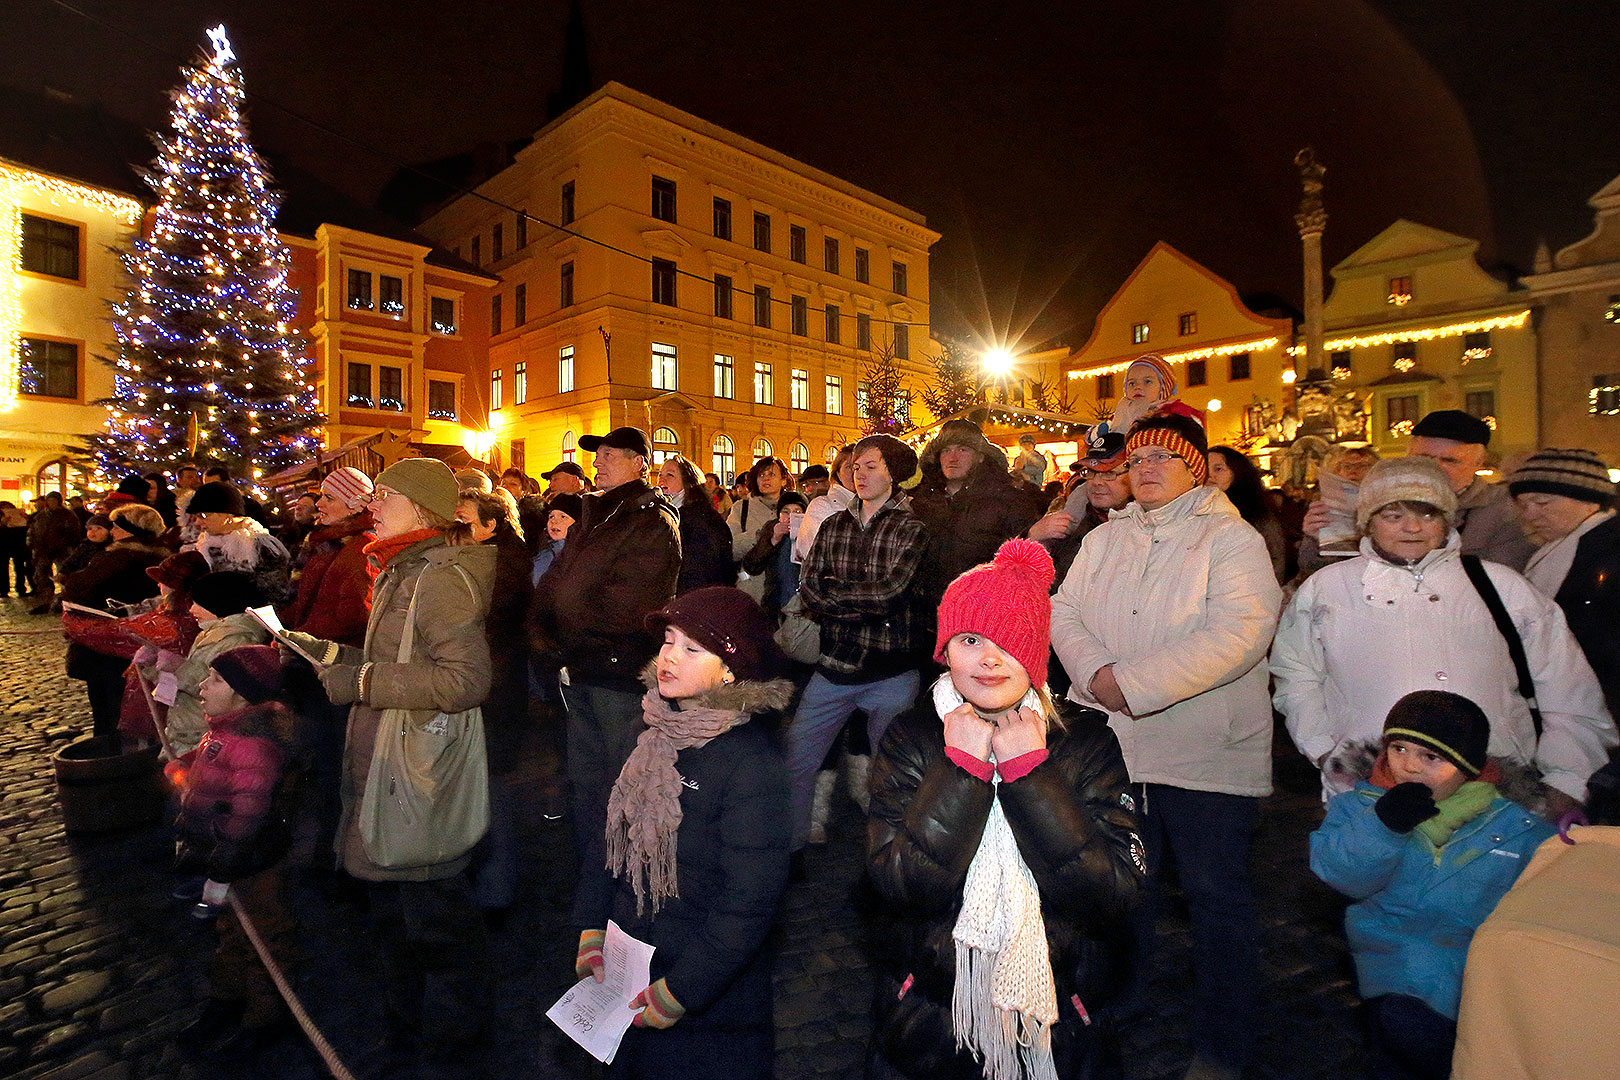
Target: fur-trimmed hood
[741,696]
[1353,762]
[266,720]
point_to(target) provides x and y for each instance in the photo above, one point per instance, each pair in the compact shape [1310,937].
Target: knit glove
[342,683]
[588,960]
[661,1009]
[1406,806]
[322,650]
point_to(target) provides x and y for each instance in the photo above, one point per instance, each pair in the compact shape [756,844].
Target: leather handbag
[426,800]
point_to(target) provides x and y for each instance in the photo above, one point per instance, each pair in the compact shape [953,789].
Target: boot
[857,776]
[821,805]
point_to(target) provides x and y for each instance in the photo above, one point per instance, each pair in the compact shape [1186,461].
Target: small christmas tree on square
[208,363]
[884,406]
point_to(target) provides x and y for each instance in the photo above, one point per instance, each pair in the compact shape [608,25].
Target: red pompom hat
[1008,601]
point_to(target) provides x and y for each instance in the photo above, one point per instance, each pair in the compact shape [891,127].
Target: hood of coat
[1353,762]
[478,560]
[741,696]
[338,531]
[992,462]
[267,720]
[1199,502]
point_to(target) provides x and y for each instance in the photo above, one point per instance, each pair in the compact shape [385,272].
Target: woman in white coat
[1404,616]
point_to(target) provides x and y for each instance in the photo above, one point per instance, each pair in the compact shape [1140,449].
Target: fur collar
[1519,782]
[741,696]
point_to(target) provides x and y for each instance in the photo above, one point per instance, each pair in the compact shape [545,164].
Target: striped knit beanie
[1575,474]
[1167,378]
[348,486]
[1449,724]
[1177,434]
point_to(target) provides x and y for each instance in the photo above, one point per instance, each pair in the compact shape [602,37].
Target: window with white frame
[495,388]
[763,448]
[764,385]
[799,456]
[570,446]
[442,314]
[441,403]
[666,444]
[725,376]
[724,457]
[663,366]
[565,369]
[520,382]
[801,388]
[835,395]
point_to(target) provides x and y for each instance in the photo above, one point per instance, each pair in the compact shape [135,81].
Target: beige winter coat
[449,671]
[1183,602]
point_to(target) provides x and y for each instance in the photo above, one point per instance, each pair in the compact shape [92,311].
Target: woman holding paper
[697,845]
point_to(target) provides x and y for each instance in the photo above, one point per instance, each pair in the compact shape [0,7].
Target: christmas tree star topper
[223,53]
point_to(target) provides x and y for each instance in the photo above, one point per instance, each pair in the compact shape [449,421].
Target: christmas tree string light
[203,330]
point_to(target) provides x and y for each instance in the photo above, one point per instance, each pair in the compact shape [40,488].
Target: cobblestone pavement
[99,967]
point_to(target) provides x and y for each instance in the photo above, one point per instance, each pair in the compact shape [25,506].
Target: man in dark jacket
[52,534]
[969,503]
[620,564]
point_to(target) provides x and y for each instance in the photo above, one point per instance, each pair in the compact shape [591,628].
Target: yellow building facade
[1578,292]
[57,275]
[659,271]
[1228,360]
[1415,322]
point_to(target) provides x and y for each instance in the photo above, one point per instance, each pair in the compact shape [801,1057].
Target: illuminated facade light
[1289,376]
[1427,333]
[1182,356]
[1404,364]
[1214,405]
[16,185]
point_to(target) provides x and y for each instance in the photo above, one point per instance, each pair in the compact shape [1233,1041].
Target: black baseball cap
[815,472]
[622,438]
[569,467]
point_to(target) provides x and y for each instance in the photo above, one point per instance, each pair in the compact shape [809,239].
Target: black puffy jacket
[965,529]
[1077,830]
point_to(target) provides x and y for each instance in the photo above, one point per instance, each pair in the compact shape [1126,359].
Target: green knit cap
[427,482]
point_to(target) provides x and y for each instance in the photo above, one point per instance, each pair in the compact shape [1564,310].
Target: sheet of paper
[68,605]
[1338,536]
[167,688]
[267,616]
[597,1014]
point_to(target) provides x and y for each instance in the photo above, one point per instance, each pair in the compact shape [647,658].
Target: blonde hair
[140,521]
[456,533]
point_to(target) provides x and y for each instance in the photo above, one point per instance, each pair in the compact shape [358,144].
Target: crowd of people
[1045,694]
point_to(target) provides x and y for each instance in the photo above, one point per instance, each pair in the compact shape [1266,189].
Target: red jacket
[334,586]
[228,786]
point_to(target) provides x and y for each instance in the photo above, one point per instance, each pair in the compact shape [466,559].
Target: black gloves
[1406,806]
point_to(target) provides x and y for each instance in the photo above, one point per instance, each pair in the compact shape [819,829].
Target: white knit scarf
[1005,999]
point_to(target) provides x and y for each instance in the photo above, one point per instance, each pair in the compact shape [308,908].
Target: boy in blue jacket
[1426,847]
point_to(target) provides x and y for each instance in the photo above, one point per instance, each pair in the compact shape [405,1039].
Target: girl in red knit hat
[1004,837]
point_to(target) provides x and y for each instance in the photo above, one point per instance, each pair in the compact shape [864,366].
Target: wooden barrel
[102,786]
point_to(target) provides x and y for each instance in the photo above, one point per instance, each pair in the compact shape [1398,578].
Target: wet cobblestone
[99,967]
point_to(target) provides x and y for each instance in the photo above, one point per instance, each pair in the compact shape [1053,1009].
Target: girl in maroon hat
[696,846]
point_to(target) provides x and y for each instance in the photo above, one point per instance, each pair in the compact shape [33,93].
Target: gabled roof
[1607,198]
[1404,240]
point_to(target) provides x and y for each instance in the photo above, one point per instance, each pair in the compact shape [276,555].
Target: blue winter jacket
[1417,906]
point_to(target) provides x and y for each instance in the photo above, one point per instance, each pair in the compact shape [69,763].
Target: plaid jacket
[857,584]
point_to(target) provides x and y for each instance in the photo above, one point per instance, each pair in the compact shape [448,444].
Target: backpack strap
[1510,633]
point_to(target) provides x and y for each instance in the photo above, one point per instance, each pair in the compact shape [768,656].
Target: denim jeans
[603,725]
[1207,834]
[822,712]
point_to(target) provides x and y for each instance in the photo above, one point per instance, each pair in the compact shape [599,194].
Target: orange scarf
[380,552]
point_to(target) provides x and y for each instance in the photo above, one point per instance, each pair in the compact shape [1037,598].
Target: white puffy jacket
[1362,633]
[1183,602]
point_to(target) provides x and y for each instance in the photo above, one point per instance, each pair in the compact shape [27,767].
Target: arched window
[832,453]
[725,460]
[762,448]
[666,444]
[569,445]
[63,476]
[800,457]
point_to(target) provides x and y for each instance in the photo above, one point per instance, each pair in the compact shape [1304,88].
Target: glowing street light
[997,362]
[1214,405]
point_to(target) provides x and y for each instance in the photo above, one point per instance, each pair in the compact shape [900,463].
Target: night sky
[1051,143]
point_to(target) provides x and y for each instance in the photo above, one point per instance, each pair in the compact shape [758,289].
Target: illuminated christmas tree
[208,364]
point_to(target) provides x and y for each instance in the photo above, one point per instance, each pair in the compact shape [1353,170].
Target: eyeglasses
[1154,458]
[376,495]
[1103,474]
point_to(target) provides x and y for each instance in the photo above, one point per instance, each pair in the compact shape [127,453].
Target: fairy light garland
[1183,355]
[17,186]
[204,332]
[1429,333]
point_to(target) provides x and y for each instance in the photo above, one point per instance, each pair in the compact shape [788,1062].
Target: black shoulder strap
[1510,633]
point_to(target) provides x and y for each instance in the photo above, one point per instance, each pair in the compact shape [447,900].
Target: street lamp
[997,363]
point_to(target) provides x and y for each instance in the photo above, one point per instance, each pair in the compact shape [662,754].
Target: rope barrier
[334,1064]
